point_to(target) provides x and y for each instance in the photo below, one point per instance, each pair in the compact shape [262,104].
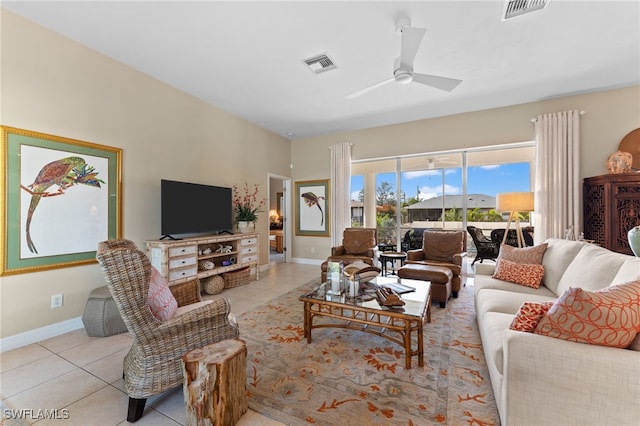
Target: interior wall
[610,115]
[53,85]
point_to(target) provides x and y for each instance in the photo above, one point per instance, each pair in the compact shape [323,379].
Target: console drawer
[248,250]
[176,274]
[248,241]
[182,261]
[182,251]
[248,258]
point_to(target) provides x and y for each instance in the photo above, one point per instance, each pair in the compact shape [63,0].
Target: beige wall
[610,115]
[52,85]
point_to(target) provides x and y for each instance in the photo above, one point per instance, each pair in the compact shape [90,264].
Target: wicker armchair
[153,364]
[485,248]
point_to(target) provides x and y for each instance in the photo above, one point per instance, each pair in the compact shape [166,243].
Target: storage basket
[205,265]
[213,285]
[236,278]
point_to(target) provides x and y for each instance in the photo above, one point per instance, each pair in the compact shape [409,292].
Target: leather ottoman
[439,276]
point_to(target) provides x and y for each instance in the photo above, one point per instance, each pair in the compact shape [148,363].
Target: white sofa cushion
[592,269]
[629,271]
[495,325]
[557,257]
[506,302]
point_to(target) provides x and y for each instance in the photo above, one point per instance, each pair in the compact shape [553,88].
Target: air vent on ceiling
[320,63]
[515,8]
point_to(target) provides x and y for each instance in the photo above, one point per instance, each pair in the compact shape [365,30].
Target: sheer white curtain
[340,191]
[557,182]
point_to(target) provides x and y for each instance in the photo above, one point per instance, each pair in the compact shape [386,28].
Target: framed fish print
[62,197]
[312,208]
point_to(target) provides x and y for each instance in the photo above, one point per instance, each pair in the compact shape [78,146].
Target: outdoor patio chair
[485,248]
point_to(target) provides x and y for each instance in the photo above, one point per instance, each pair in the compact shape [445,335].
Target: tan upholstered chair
[358,244]
[447,249]
[153,363]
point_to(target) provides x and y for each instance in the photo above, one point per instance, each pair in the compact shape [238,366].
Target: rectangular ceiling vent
[320,63]
[513,8]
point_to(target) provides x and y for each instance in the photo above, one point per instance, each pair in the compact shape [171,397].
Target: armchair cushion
[186,308]
[161,301]
[441,246]
[358,242]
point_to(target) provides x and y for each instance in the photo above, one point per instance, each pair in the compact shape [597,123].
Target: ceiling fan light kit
[411,38]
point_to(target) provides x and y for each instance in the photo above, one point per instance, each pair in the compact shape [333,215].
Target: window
[440,190]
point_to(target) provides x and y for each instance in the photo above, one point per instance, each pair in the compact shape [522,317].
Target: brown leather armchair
[446,249]
[358,244]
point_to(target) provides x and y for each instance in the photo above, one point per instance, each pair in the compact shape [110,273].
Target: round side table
[391,257]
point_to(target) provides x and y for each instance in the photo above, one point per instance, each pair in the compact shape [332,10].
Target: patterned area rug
[347,377]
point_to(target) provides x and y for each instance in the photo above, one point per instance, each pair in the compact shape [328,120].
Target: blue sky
[489,180]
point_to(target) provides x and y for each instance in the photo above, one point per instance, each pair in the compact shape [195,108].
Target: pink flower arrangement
[247,206]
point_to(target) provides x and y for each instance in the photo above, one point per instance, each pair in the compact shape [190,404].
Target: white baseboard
[307,261]
[39,334]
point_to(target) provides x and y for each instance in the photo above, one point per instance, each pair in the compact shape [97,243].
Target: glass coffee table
[395,324]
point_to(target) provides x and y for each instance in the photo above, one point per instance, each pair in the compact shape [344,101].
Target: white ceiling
[247,57]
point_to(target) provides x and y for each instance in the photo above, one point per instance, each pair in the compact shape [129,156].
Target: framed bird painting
[312,208]
[62,197]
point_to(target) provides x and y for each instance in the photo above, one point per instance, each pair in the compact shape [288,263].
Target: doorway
[279,211]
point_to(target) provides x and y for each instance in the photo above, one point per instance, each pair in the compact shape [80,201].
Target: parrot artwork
[64,173]
[311,200]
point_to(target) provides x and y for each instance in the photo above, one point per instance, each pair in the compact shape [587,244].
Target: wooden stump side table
[215,383]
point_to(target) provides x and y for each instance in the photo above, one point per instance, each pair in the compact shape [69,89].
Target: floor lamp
[514,203]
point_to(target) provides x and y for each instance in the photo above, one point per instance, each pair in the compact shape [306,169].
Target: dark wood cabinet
[611,208]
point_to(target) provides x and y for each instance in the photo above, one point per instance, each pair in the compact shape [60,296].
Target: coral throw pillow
[526,274]
[608,317]
[161,301]
[523,255]
[528,316]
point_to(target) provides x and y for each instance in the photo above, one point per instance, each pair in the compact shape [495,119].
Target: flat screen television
[191,208]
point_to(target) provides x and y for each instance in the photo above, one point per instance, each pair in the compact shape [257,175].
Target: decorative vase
[619,162]
[246,226]
[634,240]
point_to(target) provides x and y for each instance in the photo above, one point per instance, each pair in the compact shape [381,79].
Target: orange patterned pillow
[608,317]
[528,316]
[161,301]
[523,255]
[526,274]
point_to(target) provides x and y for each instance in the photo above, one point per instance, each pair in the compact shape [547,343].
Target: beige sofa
[540,380]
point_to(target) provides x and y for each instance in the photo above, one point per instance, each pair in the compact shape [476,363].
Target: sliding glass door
[437,191]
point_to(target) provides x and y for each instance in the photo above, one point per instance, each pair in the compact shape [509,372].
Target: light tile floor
[83,374]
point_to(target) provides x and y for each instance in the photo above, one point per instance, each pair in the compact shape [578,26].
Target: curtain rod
[350,144]
[533,120]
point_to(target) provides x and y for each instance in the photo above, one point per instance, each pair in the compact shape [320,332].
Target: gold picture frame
[61,197]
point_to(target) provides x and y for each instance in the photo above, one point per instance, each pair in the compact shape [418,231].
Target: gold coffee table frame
[395,325]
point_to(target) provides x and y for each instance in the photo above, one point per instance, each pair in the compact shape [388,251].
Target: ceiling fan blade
[411,39]
[442,83]
[370,88]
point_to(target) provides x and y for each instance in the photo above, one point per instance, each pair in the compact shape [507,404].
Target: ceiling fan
[439,162]
[403,66]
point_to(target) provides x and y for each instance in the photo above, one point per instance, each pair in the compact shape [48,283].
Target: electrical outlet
[313,249]
[56,301]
